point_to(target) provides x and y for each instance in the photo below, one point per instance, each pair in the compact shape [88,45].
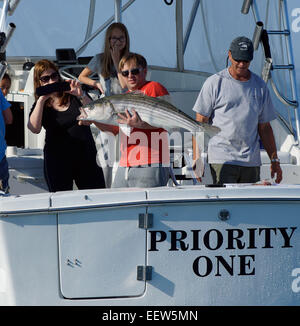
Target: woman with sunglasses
[109,82]
[69,151]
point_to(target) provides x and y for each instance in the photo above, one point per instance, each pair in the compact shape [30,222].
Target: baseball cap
[241,49]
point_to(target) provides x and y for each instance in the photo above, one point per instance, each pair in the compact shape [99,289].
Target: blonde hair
[138,59]
[107,62]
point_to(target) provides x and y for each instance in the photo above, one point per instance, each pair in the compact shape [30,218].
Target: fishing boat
[186,244]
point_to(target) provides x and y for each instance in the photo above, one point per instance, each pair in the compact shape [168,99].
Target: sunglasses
[135,71]
[46,79]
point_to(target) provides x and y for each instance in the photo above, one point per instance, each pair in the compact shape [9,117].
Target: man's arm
[200,118]
[7,116]
[107,128]
[197,163]
[267,137]
[85,79]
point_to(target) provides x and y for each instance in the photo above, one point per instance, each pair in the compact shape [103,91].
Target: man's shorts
[229,173]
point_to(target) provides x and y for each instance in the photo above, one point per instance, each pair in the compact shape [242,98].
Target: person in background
[109,82]
[5,84]
[106,64]
[141,164]
[69,151]
[6,118]
[238,102]
[14,134]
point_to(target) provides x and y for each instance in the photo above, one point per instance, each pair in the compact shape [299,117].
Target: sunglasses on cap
[46,79]
[135,71]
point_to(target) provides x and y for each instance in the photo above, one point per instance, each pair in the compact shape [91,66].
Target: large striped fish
[153,110]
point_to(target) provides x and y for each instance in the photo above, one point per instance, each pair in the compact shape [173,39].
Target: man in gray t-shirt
[238,102]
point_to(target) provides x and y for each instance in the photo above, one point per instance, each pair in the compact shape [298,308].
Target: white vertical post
[292,72]
[3,16]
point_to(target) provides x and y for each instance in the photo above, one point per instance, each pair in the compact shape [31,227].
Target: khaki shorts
[228,173]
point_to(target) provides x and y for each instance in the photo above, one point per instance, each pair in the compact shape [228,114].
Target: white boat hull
[238,245]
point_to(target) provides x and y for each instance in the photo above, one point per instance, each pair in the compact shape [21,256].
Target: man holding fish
[144,160]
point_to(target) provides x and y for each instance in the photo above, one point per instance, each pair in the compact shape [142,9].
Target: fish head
[99,110]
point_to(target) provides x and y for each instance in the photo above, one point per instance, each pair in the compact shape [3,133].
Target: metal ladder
[290,66]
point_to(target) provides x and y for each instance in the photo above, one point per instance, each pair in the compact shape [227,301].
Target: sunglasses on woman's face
[46,78]
[135,71]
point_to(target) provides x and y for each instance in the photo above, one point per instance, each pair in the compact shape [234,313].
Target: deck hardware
[74,263]
[144,273]
[77,262]
[211,197]
[70,263]
[224,215]
[145,221]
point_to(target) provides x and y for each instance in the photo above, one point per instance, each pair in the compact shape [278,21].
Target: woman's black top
[70,151]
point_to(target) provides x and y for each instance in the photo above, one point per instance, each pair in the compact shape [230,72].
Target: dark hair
[6,76]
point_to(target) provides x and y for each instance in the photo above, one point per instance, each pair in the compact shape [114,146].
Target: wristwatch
[273,160]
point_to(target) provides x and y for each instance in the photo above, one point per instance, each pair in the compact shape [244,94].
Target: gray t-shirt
[236,108]
[110,85]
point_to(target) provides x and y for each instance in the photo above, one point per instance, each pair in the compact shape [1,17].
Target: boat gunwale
[157,202]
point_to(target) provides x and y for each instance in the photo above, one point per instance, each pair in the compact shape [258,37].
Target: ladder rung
[291,67]
[285,32]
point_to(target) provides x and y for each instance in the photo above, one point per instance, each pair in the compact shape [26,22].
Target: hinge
[144,273]
[145,221]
